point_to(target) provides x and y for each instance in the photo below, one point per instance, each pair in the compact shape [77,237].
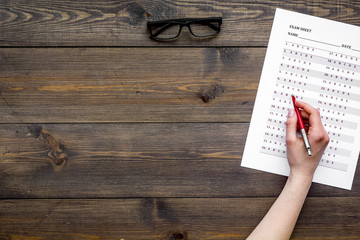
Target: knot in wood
[61,159]
[212,92]
[178,236]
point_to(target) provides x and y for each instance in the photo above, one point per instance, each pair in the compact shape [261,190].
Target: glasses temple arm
[216,28]
[160,30]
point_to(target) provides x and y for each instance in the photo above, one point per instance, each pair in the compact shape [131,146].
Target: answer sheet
[318,61]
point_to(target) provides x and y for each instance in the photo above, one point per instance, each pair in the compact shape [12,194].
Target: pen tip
[309,152]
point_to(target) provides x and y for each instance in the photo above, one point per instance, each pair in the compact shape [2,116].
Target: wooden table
[106,134]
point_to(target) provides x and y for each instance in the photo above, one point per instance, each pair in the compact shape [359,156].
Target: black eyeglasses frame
[183,22]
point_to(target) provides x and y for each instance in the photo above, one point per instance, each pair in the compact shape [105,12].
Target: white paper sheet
[317,60]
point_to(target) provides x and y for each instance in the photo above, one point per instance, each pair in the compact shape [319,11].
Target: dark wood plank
[169,219]
[134,160]
[123,23]
[128,84]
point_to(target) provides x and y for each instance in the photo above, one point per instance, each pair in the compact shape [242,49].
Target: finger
[314,115]
[305,106]
[304,115]
[291,126]
[306,121]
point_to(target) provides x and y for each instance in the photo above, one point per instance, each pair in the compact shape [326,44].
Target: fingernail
[291,112]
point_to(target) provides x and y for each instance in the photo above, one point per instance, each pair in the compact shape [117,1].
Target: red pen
[302,129]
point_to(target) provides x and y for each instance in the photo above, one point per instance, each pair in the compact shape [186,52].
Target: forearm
[280,220]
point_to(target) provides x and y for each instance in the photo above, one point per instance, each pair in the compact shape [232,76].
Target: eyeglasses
[171,29]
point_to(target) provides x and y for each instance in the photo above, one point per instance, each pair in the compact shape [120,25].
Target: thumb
[291,127]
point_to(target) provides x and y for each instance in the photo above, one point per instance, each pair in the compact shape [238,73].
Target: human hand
[280,220]
[301,164]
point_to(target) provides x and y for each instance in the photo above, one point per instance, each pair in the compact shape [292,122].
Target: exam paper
[318,61]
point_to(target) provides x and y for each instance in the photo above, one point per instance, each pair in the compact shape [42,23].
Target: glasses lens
[165,31]
[205,29]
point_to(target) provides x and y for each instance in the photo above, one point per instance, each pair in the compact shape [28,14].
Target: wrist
[300,181]
[302,174]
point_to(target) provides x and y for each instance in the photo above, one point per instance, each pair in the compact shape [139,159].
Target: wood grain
[134,160]
[169,219]
[50,85]
[123,23]
[106,134]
